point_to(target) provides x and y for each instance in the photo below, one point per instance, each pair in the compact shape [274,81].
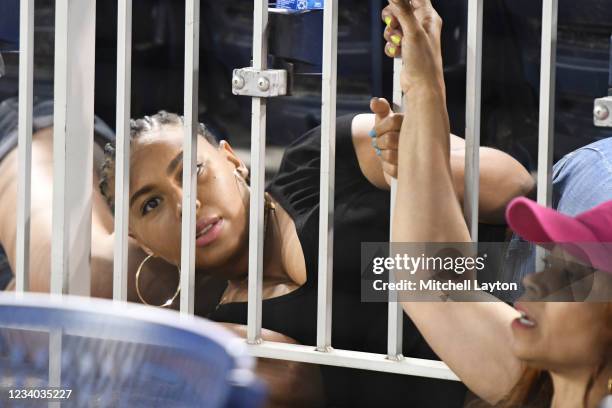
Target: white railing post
[546,129]
[75,29]
[258,175]
[328,160]
[190,148]
[472,116]
[395,323]
[122,158]
[26,63]
[354,359]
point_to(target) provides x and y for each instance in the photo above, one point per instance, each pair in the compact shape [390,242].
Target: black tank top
[361,214]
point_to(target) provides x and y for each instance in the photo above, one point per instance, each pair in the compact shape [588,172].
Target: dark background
[511,53]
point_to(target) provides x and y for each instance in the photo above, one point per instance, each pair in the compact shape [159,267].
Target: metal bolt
[601,112]
[263,84]
[238,82]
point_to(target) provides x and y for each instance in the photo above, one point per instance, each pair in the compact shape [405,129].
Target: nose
[533,287]
[547,285]
[179,208]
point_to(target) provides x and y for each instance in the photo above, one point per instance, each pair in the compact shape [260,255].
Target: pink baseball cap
[587,236]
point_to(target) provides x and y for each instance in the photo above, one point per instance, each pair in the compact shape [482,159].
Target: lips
[208,230]
[524,320]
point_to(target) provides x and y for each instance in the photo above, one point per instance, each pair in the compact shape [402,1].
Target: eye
[150,205]
[200,167]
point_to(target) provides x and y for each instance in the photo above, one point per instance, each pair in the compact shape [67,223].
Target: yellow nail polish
[392,50]
[388,21]
[396,39]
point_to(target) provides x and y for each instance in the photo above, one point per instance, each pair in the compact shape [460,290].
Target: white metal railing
[26,70]
[258,155]
[74,65]
[472,115]
[190,146]
[395,322]
[328,165]
[73,117]
[122,158]
[546,127]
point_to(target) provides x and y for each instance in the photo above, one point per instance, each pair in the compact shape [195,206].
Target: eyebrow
[174,163]
[146,189]
[169,170]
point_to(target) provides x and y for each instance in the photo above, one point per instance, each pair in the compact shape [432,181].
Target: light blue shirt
[581,180]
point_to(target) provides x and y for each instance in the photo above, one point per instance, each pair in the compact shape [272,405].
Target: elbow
[519,185]
[503,184]
[512,177]
[524,184]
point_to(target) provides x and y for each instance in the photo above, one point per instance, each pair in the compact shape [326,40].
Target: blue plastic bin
[121,355]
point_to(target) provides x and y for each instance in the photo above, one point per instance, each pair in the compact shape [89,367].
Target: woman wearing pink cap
[540,354]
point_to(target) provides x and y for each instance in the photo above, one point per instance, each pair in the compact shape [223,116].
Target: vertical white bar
[55,362]
[75,27]
[122,159]
[59,252]
[472,116]
[395,324]
[190,148]
[258,175]
[546,129]
[398,95]
[328,160]
[26,62]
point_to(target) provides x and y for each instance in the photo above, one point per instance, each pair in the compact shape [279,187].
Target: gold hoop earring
[169,301]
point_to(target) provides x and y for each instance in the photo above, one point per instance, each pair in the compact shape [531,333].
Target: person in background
[542,354]
[581,180]
[362,214]
[291,230]
[290,384]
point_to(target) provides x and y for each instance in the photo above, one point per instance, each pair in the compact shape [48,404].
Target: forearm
[501,178]
[473,339]
[429,211]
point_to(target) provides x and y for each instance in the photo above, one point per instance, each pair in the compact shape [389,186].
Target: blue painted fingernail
[374,143]
[377,151]
[372,133]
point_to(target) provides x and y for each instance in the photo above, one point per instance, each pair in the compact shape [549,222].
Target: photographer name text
[445,286]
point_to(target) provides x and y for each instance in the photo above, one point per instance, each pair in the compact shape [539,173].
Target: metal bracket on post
[257,83]
[602,112]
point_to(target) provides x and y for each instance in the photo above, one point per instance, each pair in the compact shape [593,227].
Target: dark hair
[139,127]
[535,388]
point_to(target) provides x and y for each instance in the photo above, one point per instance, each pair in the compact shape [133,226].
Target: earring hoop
[169,301]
